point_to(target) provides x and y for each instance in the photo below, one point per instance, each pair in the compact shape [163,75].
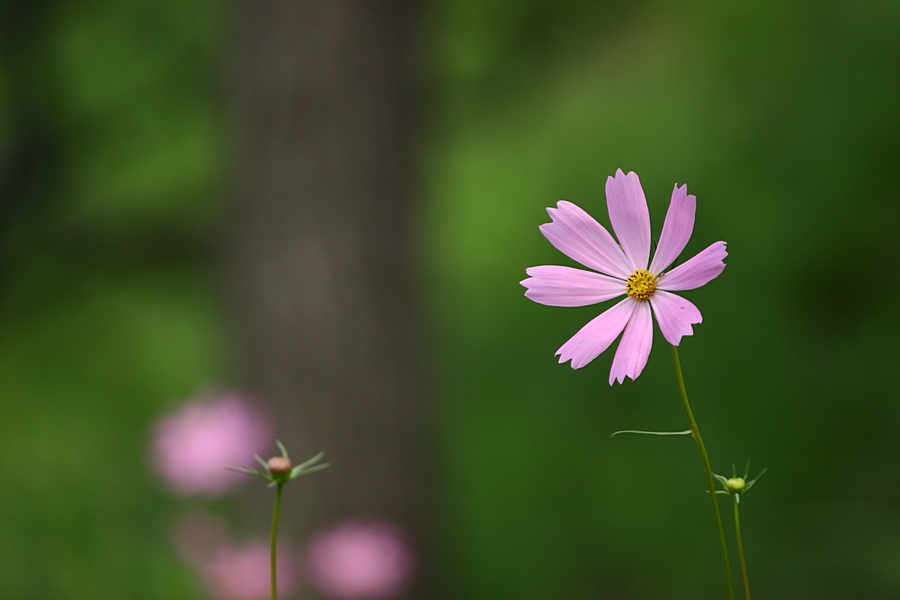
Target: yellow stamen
[640,285]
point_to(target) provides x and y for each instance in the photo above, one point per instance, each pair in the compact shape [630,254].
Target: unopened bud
[279,466]
[736,485]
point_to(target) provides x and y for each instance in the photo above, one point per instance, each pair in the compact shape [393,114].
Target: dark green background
[782,118]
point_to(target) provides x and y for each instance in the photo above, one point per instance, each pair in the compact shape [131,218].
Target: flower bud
[736,485]
[280,466]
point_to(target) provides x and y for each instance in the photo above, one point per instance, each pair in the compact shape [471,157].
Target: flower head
[624,269]
[736,485]
[192,446]
[360,561]
[279,469]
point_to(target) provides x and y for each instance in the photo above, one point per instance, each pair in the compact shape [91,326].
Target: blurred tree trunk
[321,263]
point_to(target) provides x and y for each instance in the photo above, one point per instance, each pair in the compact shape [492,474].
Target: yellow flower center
[640,285]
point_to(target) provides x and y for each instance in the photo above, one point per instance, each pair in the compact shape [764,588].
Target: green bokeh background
[782,118]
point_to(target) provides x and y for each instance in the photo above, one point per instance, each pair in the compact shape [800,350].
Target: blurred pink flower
[242,573]
[359,561]
[624,270]
[192,447]
[229,571]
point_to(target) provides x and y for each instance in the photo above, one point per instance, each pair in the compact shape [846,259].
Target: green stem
[275,515]
[710,482]
[740,545]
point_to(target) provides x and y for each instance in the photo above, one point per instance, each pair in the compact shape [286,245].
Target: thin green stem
[710,482]
[275,515]
[740,545]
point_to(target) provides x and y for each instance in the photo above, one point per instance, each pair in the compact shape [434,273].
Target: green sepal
[284,452]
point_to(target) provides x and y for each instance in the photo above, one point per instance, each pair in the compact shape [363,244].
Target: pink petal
[634,349]
[676,230]
[577,235]
[696,272]
[675,316]
[630,217]
[597,335]
[565,286]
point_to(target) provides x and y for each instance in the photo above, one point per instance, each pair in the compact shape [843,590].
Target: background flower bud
[279,466]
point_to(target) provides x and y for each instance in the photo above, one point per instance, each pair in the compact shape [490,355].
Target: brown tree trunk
[321,263]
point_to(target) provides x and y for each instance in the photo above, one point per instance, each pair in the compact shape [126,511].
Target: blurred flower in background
[242,572]
[231,571]
[359,561]
[192,447]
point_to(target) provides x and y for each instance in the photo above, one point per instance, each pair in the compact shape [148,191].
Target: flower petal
[565,286]
[696,272]
[676,230]
[675,316]
[577,235]
[630,217]
[634,349]
[597,335]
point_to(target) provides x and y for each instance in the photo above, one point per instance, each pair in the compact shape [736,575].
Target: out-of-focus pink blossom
[360,561]
[242,573]
[230,571]
[192,447]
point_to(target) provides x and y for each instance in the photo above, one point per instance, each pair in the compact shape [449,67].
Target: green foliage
[110,168]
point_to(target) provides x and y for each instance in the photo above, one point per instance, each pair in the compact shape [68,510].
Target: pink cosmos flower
[192,446]
[360,561]
[624,270]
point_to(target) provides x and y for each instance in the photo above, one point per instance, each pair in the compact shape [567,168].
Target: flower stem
[740,545]
[275,514]
[695,431]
